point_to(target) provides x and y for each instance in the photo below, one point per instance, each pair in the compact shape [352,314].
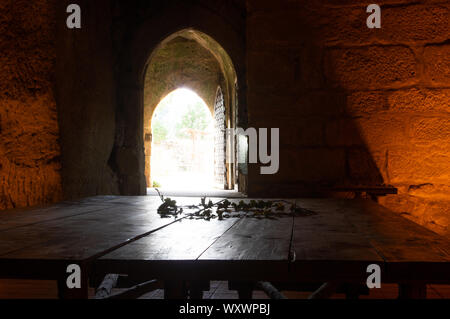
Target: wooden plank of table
[252,249]
[169,253]
[20,217]
[98,199]
[17,218]
[76,238]
[72,212]
[411,251]
[149,202]
[397,238]
[85,232]
[328,247]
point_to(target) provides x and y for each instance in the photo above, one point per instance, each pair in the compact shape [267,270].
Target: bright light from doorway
[182,143]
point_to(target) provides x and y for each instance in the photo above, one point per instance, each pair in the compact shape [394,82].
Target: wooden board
[252,249]
[410,251]
[77,238]
[168,253]
[126,235]
[18,218]
[327,247]
[347,235]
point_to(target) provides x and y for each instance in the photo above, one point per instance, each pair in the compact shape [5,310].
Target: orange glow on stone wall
[29,149]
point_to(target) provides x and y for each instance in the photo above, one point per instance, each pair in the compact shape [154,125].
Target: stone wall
[86,98]
[29,149]
[355,105]
[180,63]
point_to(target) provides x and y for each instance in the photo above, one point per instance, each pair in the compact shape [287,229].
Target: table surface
[336,240]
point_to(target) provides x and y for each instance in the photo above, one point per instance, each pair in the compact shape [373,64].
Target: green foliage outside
[195,118]
[156,184]
[174,117]
[160,132]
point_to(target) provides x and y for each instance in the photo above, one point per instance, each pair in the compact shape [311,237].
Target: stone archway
[142,39]
[189,59]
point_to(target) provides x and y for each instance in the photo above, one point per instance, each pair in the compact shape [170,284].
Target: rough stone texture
[416,24]
[86,99]
[432,101]
[29,150]
[179,63]
[370,67]
[437,63]
[377,100]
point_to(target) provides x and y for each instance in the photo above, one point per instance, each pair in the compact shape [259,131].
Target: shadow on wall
[353,110]
[300,91]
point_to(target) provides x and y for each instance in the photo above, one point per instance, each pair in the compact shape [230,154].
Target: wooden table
[125,235]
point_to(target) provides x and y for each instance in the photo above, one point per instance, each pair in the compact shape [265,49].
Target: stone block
[343,132]
[430,131]
[286,28]
[316,164]
[380,131]
[321,103]
[420,100]
[366,103]
[414,24]
[370,68]
[418,165]
[302,132]
[270,70]
[437,63]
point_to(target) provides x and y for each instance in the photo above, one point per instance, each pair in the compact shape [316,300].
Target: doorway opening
[190,100]
[182,142]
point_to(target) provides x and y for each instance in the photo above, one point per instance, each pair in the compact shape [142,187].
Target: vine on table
[223,209]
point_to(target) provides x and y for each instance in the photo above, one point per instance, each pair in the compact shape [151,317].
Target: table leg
[73,281]
[65,292]
[412,291]
[244,288]
[353,291]
[196,289]
[175,289]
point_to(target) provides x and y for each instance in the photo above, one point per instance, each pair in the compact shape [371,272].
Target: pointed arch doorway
[182,142]
[226,24]
[193,60]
